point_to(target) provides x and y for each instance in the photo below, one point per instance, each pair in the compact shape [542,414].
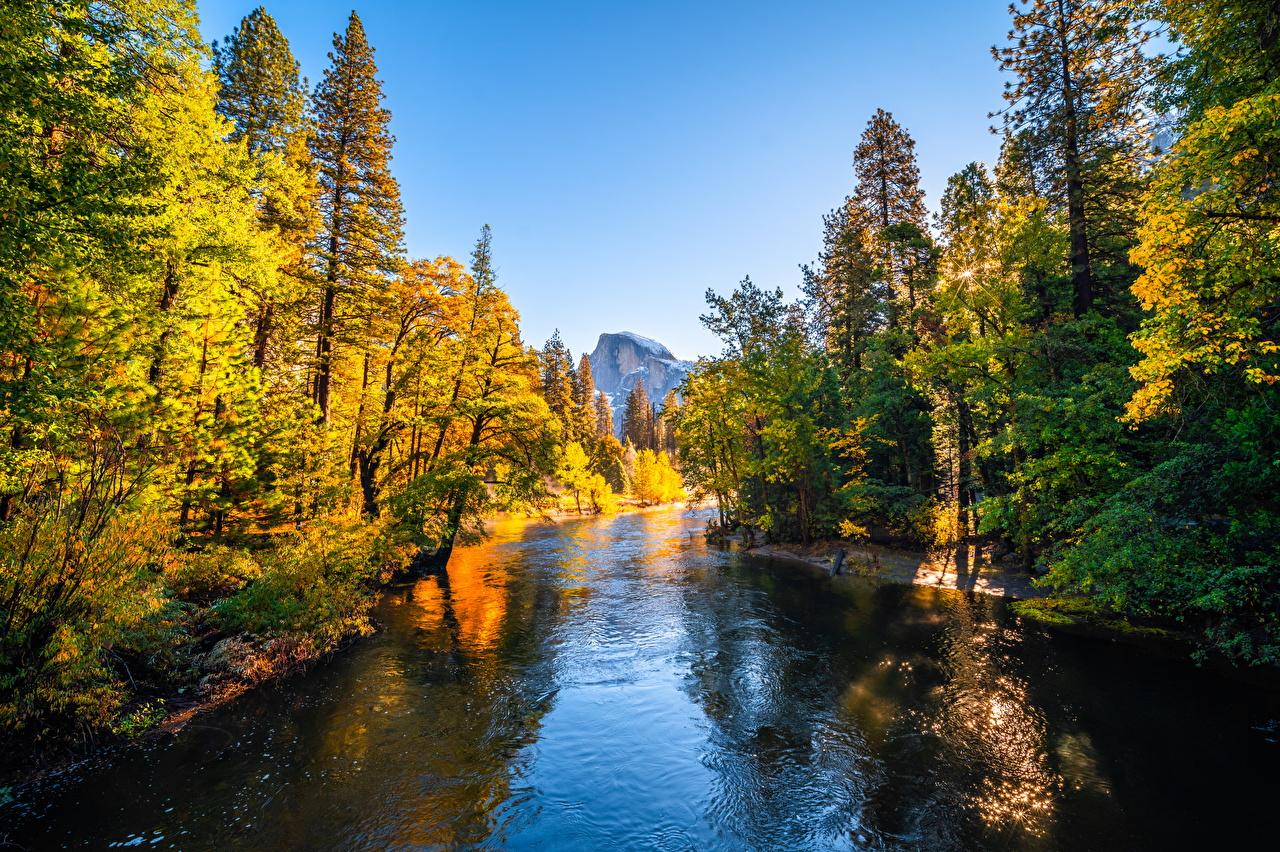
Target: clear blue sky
[629,156]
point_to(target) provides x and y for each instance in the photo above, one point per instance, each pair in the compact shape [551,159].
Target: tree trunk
[324,352]
[1081,273]
[965,467]
[262,334]
[437,562]
[359,428]
[167,297]
[369,462]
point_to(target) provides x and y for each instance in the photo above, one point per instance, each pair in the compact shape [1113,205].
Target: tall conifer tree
[890,202]
[604,416]
[557,379]
[361,232]
[1077,112]
[888,178]
[265,99]
[637,418]
[847,297]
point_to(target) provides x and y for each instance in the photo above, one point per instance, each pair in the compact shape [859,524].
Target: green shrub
[317,583]
[1163,546]
[75,599]
[205,576]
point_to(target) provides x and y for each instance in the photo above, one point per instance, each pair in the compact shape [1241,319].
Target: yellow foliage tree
[655,480]
[1209,244]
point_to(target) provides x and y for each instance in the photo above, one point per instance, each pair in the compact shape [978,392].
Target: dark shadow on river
[615,683]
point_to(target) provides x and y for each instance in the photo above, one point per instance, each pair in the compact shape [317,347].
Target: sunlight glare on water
[616,683]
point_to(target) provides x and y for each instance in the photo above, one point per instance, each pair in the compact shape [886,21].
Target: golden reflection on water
[475,598]
[988,715]
[456,711]
[666,538]
[977,711]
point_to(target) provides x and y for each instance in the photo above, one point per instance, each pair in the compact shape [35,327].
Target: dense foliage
[1077,363]
[230,406]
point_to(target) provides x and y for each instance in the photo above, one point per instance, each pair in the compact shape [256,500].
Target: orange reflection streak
[667,538]
[428,603]
[478,593]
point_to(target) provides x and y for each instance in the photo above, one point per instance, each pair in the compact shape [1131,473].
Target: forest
[231,405]
[1075,360]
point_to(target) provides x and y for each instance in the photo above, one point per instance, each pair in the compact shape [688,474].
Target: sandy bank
[962,568]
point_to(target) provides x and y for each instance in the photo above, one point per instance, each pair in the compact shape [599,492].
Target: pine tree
[584,391]
[361,218]
[848,299]
[557,379]
[262,94]
[265,99]
[585,398]
[1076,109]
[667,422]
[604,415]
[889,196]
[637,418]
[884,163]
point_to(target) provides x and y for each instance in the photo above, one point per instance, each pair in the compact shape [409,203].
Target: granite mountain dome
[623,358]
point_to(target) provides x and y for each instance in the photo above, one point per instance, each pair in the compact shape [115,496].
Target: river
[618,683]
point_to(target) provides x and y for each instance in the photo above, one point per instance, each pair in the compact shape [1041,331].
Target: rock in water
[623,358]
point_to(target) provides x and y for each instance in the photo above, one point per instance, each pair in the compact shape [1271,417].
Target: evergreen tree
[359,243]
[604,415]
[262,94]
[884,162]
[584,391]
[848,299]
[637,418]
[265,99]
[584,397]
[669,416]
[890,200]
[557,381]
[1077,110]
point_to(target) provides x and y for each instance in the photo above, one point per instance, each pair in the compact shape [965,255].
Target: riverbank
[963,568]
[626,506]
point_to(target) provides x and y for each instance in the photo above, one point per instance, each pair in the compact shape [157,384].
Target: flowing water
[616,683]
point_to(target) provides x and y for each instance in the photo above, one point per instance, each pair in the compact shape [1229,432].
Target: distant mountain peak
[647,343]
[622,358]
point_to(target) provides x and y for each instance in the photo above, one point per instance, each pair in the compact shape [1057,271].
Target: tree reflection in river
[895,731]
[424,750]
[614,682]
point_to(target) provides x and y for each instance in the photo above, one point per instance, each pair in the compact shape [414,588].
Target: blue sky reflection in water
[615,683]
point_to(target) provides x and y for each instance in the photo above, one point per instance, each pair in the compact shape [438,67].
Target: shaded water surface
[615,683]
